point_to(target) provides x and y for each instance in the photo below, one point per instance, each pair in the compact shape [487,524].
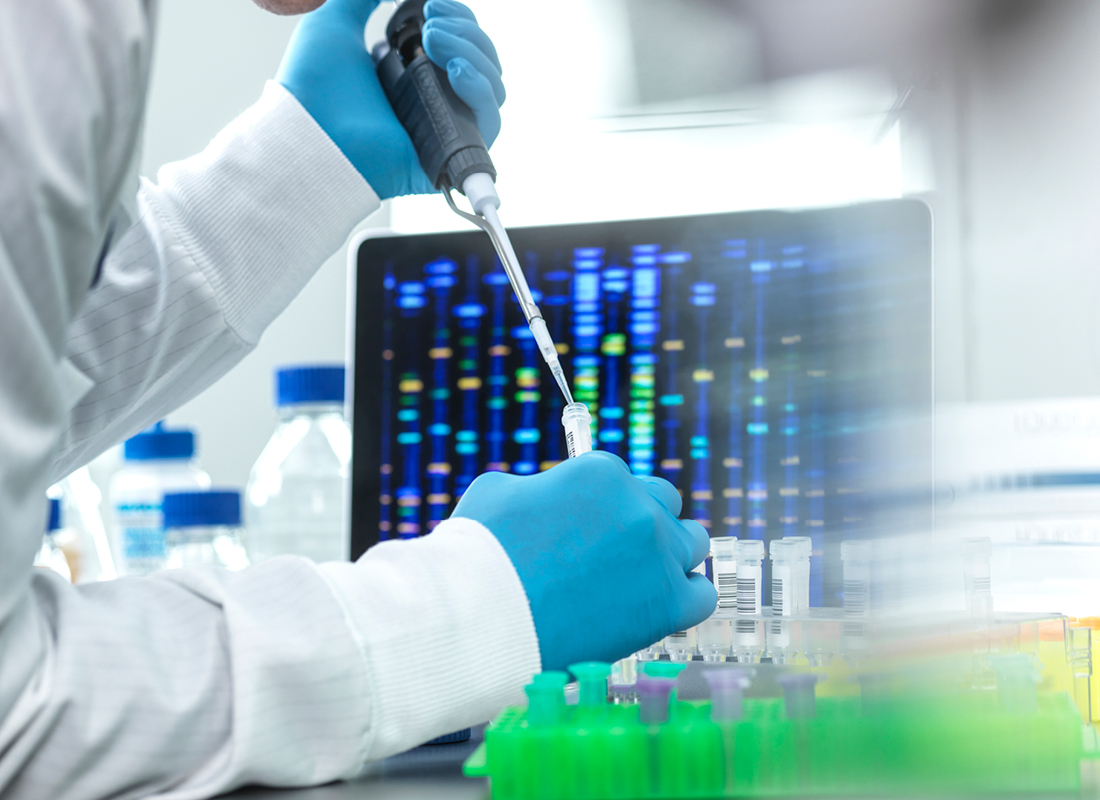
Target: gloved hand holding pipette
[603,559]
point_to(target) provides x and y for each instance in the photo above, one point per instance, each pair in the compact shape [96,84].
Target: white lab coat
[193,682]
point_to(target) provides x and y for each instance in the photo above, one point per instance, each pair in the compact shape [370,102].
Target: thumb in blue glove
[600,553]
[329,71]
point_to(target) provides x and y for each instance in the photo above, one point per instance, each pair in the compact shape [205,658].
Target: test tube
[855,556]
[714,639]
[784,557]
[723,562]
[726,688]
[578,429]
[546,698]
[801,574]
[749,644]
[592,677]
[977,553]
[680,645]
[798,692]
[653,698]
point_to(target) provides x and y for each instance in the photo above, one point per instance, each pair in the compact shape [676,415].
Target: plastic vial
[714,639]
[723,563]
[592,677]
[203,528]
[546,698]
[726,688]
[800,594]
[50,554]
[749,641]
[156,461]
[654,695]
[680,645]
[297,492]
[578,429]
[784,558]
[798,692]
[977,553]
[856,559]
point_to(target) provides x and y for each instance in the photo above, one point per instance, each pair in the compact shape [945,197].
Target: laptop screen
[774,366]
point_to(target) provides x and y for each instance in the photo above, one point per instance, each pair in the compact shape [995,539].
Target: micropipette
[453,154]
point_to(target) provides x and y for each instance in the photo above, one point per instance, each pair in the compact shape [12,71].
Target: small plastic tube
[977,553]
[546,698]
[680,645]
[784,557]
[798,692]
[663,669]
[653,698]
[800,593]
[726,688]
[723,563]
[592,677]
[749,642]
[855,556]
[578,429]
[714,639]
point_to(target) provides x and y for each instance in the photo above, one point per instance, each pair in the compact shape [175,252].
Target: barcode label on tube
[725,581]
[570,444]
[855,598]
[746,596]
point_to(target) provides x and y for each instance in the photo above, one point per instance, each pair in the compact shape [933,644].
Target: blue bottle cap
[309,383]
[212,507]
[53,522]
[158,442]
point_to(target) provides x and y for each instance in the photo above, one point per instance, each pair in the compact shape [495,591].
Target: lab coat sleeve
[220,247]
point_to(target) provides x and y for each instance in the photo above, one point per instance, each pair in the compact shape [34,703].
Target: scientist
[120,300]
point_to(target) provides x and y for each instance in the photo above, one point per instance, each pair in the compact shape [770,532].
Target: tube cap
[191,509]
[159,443]
[309,383]
[53,521]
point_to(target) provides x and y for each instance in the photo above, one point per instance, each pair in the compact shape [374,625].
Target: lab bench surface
[432,772]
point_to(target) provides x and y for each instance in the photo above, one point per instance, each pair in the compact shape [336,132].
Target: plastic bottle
[204,528]
[155,461]
[50,554]
[296,500]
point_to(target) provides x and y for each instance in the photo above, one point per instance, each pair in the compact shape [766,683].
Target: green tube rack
[959,743]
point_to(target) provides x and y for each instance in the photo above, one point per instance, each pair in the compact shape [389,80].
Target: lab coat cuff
[445,631]
[262,207]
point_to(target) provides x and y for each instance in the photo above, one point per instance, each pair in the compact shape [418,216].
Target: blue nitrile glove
[328,69]
[600,553]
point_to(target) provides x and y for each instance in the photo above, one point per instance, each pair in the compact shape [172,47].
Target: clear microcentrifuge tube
[723,563]
[653,698]
[801,574]
[546,698]
[784,557]
[798,692]
[726,688]
[680,645]
[855,556]
[977,553]
[578,429]
[592,677]
[625,671]
[749,642]
[714,639]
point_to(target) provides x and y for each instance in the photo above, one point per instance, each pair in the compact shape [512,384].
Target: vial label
[571,444]
[782,601]
[855,598]
[142,543]
[725,581]
[748,591]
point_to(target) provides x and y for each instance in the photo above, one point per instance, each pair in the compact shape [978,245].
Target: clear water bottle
[203,528]
[296,500]
[50,555]
[155,461]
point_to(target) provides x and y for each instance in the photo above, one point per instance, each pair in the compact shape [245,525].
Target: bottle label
[142,542]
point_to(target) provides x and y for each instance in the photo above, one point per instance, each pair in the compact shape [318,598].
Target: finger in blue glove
[329,71]
[600,553]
